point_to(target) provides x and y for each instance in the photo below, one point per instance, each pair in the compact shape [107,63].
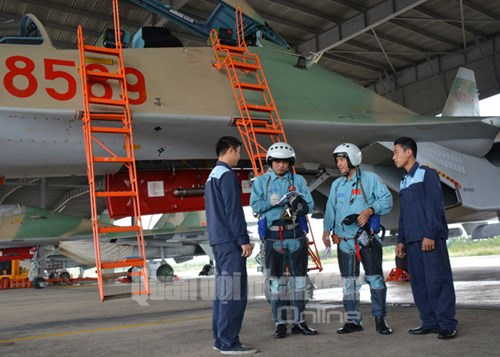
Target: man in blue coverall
[358,194]
[285,244]
[228,237]
[422,235]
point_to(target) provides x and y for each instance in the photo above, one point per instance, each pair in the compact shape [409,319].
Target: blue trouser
[230,300]
[371,258]
[431,282]
[287,255]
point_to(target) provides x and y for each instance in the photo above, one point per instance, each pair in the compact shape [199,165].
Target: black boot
[381,326]
[280,331]
[350,327]
[304,329]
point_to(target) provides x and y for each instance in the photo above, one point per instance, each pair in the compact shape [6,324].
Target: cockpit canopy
[26,31]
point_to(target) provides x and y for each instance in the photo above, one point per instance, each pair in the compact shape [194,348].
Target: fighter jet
[181,104]
[68,239]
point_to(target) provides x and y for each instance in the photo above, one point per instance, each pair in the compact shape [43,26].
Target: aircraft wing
[22,226]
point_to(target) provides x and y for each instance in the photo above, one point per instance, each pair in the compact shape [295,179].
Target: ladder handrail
[127,159]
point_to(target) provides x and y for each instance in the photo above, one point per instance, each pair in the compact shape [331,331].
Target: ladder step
[109,130]
[260,108]
[118,229]
[256,122]
[260,156]
[115,194]
[117,296]
[104,101]
[107,116]
[245,66]
[104,75]
[102,50]
[251,86]
[113,276]
[113,159]
[138,262]
[260,126]
[234,49]
[266,131]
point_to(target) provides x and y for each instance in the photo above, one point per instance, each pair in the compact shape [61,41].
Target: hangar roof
[398,48]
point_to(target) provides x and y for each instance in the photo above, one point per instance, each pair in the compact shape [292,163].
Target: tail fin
[463,99]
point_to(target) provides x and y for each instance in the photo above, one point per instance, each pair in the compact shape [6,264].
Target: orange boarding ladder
[108,119]
[248,80]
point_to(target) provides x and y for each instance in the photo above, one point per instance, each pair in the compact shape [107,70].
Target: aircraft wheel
[65,275]
[39,282]
[165,273]
[207,270]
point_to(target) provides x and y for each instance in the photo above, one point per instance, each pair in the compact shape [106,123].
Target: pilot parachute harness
[248,80]
[109,120]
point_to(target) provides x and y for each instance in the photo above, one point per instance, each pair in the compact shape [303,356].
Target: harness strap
[287,227]
[358,254]
[281,239]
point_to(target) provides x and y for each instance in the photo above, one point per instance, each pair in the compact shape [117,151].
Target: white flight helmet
[280,151]
[349,151]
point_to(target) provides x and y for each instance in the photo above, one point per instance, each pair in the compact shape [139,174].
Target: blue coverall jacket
[225,217]
[422,214]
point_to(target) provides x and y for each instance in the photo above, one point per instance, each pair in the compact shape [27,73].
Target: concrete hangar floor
[176,321]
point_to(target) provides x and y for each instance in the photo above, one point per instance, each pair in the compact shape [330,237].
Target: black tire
[207,270]
[65,275]
[39,282]
[165,273]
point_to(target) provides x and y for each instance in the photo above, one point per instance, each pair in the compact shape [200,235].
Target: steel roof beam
[375,50]
[432,36]
[383,51]
[290,24]
[348,4]
[443,19]
[356,61]
[481,51]
[401,43]
[305,10]
[358,25]
[83,13]
[392,53]
[478,9]
[453,23]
